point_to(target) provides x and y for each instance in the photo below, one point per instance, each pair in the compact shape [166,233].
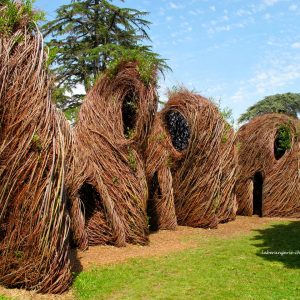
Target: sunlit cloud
[296,45]
[293,7]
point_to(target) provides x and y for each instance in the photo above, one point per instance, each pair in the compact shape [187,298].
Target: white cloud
[293,7]
[243,12]
[175,6]
[239,96]
[296,45]
[267,16]
[196,12]
[270,2]
[267,81]
[161,11]
[275,78]
[277,72]
[193,13]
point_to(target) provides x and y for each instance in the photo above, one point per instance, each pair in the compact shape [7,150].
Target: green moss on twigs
[19,254]
[132,159]
[147,63]
[226,133]
[17,14]
[169,162]
[36,143]
[115,180]
[238,146]
[297,134]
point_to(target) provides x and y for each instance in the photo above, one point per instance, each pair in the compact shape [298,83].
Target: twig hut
[34,223]
[187,165]
[269,158]
[110,137]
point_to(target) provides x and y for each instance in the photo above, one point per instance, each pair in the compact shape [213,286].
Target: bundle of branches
[269,156]
[187,164]
[34,223]
[110,137]
[229,162]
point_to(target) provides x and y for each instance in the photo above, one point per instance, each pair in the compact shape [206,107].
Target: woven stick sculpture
[34,224]
[110,137]
[229,161]
[269,158]
[185,164]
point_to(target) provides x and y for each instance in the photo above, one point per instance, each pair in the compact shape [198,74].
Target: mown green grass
[3,298]
[218,268]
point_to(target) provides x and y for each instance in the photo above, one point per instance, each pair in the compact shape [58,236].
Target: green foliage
[226,131]
[160,137]
[176,89]
[217,268]
[297,133]
[115,180]
[132,159]
[169,162]
[225,112]
[129,133]
[36,142]
[88,36]
[130,106]
[19,254]
[238,146]
[288,103]
[17,13]
[148,62]
[283,141]
[72,114]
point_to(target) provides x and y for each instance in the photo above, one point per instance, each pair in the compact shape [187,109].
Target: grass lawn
[219,268]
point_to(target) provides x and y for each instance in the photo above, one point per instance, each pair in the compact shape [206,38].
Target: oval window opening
[178,129]
[129,114]
[283,141]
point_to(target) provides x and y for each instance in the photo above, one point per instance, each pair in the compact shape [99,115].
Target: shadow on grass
[280,242]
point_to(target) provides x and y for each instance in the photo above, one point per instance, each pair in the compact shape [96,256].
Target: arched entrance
[258,193]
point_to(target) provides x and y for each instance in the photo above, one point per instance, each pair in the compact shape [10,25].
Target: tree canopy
[89,35]
[288,103]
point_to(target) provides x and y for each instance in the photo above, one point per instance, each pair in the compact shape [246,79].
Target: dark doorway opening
[90,199]
[154,195]
[129,114]
[257,193]
[178,128]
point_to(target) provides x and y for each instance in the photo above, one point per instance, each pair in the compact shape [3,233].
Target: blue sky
[235,50]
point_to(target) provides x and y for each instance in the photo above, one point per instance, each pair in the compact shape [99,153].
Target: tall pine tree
[86,36]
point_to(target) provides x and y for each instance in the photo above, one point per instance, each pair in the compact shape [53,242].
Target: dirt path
[161,243]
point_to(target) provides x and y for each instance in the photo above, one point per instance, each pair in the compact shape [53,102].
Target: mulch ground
[161,243]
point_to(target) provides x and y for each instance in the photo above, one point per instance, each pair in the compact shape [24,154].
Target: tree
[89,35]
[288,103]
